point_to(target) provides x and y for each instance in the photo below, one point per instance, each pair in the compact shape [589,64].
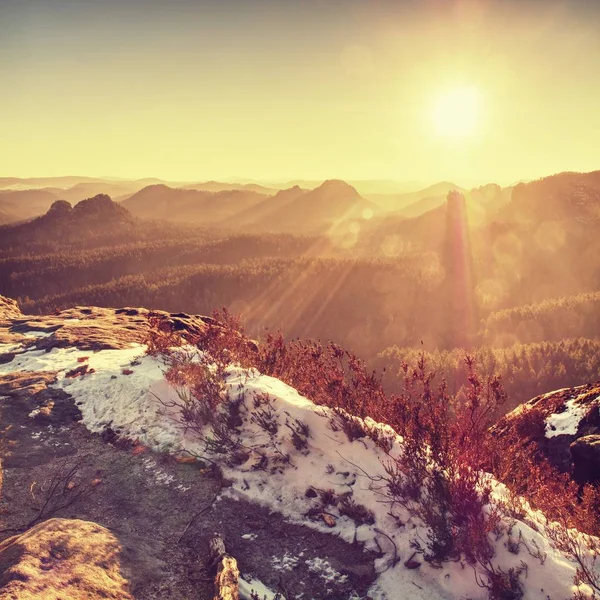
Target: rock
[101,207]
[526,425]
[59,209]
[9,309]
[40,425]
[23,395]
[78,372]
[7,357]
[62,558]
[585,452]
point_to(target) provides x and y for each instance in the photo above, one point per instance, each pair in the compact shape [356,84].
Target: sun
[456,113]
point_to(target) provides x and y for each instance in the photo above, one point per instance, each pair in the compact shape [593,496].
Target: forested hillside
[512,284]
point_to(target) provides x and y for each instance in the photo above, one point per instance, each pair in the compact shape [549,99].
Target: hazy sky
[265,89]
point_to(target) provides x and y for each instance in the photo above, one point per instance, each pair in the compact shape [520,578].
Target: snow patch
[134,405]
[38,334]
[286,563]
[10,348]
[325,571]
[567,422]
[250,584]
[159,476]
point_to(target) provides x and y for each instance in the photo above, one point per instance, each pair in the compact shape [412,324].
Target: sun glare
[456,113]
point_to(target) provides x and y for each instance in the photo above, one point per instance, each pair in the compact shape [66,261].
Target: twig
[198,514]
[333,439]
[396,558]
[377,478]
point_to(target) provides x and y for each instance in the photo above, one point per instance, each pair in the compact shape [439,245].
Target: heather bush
[526,370]
[503,585]
[439,474]
[327,374]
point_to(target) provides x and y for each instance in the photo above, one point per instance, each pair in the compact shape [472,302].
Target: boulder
[9,309]
[62,558]
[553,425]
[585,452]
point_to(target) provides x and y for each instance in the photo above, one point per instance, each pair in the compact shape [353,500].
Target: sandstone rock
[62,558]
[527,426]
[9,309]
[585,452]
[101,207]
[59,209]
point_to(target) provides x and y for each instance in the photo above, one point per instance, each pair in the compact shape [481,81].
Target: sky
[469,91]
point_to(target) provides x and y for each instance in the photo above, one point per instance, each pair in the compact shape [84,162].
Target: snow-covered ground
[567,422]
[126,390]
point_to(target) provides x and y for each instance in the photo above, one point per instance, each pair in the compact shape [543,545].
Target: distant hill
[311,211]
[18,202]
[256,216]
[17,205]
[84,190]
[189,205]
[5,217]
[97,216]
[219,186]
[393,235]
[565,196]
[294,210]
[70,181]
[365,187]
[23,183]
[413,204]
[420,226]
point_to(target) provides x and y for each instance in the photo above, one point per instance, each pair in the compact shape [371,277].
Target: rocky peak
[456,200]
[59,209]
[100,206]
[288,193]
[337,187]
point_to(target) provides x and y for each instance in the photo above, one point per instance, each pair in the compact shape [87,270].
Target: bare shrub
[203,403]
[502,585]
[300,432]
[438,475]
[581,548]
[357,512]
[326,374]
[66,484]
